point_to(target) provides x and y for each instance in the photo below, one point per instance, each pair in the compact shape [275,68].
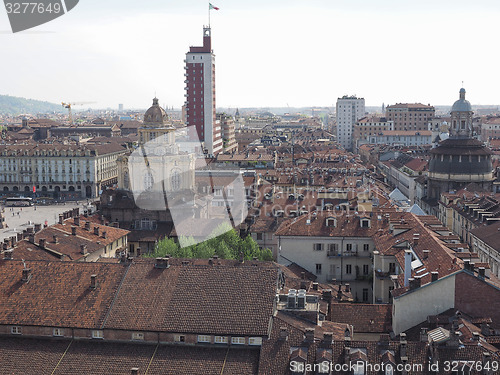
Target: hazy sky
[268,53]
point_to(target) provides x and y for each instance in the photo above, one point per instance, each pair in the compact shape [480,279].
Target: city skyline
[278,55]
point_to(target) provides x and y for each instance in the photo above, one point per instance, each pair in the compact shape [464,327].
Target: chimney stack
[41,243]
[407,274]
[423,335]
[347,288]
[104,234]
[13,240]
[87,225]
[19,236]
[315,285]
[434,276]
[416,237]
[26,275]
[327,294]
[73,231]
[138,252]
[134,371]
[481,272]
[93,281]
[83,249]
[7,255]
[309,334]
[76,221]
[31,238]
[283,333]
[38,227]
[426,254]
[303,275]
[162,263]
[54,237]
[61,219]
[96,230]
[328,338]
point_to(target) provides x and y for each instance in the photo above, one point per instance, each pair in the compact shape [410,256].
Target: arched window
[148,181]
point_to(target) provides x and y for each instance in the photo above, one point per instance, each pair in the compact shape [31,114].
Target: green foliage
[225,243]
[12,105]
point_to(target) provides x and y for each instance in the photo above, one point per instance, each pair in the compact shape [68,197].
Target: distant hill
[13,105]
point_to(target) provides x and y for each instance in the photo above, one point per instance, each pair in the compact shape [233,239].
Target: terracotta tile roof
[489,234]
[196,298]
[363,317]
[58,293]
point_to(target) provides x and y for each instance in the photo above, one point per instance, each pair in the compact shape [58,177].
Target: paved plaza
[19,218]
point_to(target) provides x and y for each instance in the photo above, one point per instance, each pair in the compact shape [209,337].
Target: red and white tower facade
[200,96]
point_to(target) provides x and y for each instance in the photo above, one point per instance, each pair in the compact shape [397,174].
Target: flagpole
[209,15]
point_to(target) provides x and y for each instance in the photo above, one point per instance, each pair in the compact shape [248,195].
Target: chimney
[138,252]
[61,219]
[303,285]
[309,335]
[481,272]
[134,371]
[423,335]
[347,288]
[19,236]
[303,275]
[402,344]
[38,227]
[93,281]
[315,285]
[327,294]
[485,328]
[54,237]
[41,243]
[76,221]
[162,263]
[83,249]
[31,238]
[5,245]
[96,230]
[416,237]
[87,225]
[73,231]
[13,240]
[434,276]
[30,230]
[26,275]
[426,254]
[475,336]
[407,275]
[7,255]
[347,336]
[283,333]
[328,338]
[123,258]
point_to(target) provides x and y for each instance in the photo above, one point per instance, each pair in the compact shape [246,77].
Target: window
[318,246]
[58,332]
[238,340]
[332,249]
[255,341]
[365,223]
[221,340]
[348,247]
[366,247]
[318,269]
[137,336]
[97,334]
[365,295]
[204,338]
[348,269]
[392,268]
[365,269]
[16,330]
[180,338]
[260,237]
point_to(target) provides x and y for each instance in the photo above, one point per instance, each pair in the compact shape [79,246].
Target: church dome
[155,115]
[461,105]
[460,156]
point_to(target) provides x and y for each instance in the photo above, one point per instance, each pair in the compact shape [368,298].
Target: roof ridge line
[115,297]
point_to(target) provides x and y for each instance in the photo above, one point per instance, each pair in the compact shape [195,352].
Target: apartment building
[349,110]
[410,116]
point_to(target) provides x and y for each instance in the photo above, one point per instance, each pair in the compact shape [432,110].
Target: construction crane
[68,107]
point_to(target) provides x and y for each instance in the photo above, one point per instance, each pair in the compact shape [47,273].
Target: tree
[225,243]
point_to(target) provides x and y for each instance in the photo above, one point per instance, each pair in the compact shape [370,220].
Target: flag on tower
[212,7]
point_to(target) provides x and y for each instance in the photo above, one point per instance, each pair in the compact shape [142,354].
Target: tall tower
[200,96]
[349,110]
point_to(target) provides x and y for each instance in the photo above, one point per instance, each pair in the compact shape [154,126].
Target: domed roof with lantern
[461,105]
[155,115]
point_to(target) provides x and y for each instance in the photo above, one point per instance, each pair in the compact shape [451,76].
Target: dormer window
[365,223]
[331,222]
